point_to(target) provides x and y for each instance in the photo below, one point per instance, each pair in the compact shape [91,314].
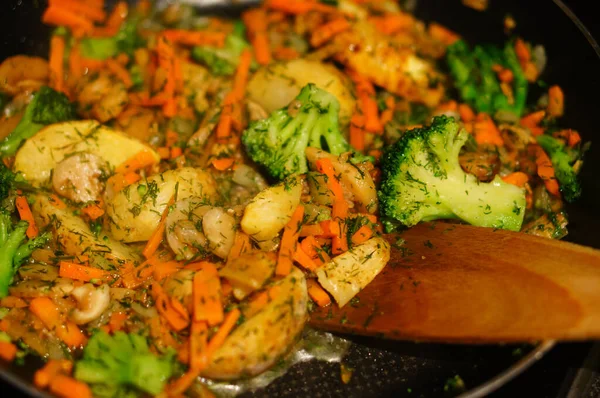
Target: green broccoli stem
[7,254]
[27,248]
[22,132]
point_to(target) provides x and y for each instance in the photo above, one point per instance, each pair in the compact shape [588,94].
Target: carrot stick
[56,63]
[288,242]
[282,53]
[13,302]
[299,7]
[45,309]
[304,259]
[533,119]
[466,113]
[325,166]
[556,101]
[119,181]
[317,293]
[198,343]
[195,38]
[241,244]
[157,235]
[87,11]
[81,272]
[310,230]
[224,126]
[174,318]
[8,351]
[175,152]
[339,243]
[163,269]
[120,72]
[326,32]
[368,105]
[486,132]
[117,319]
[140,160]
[442,34]
[517,178]
[223,163]
[393,23]
[256,23]
[59,16]
[362,235]
[522,51]
[207,296]
[51,369]
[545,171]
[340,209]
[240,79]
[357,132]
[182,384]
[330,228]
[314,250]
[219,338]
[118,15]
[26,215]
[75,66]
[93,211]
[68,387]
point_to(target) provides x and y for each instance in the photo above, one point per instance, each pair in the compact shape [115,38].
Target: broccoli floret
[422,181]
[122,362]
[127,40]
[224,60]
[477,82]
[278,142]
[46,107]
[562,160]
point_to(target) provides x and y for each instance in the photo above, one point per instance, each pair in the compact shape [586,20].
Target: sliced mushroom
[91,302]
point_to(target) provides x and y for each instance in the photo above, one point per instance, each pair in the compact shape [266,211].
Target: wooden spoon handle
[457,283]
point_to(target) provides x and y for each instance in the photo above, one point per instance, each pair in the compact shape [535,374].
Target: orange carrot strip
[533,119]
[56,63]
[8,351]
[57,202]
[13,302]
[393,23]
[310,230]
[45,309]
[118,15]
[165,309]
[573,139]
[157,235]
[299,7]
[325,166]
[116,321]
[317,293]
[87,11]
[556,101]
[75,66]
[314,250]
[223,163]
[26,215]
[207,296]
[517,178]
[195,38]
[163,269]
[545,171]
[175,152]
[53,367]
[486,131]
[240,79]
[59,16]
[198,343]
[120,72]
[140,160]
[506,75]
[241,244]
[522,51]
[304,259]
[82,272]
[442,34]
[120,181]
[357,134]
[330,229]
[340,209]
[289,240]
[362,235]
[182,384]
[93,65]
[260,301]
[171,138]
[217,340]
[67,387]
[339,243]
[282,53]
[93,211]
[466,113]
[326,32]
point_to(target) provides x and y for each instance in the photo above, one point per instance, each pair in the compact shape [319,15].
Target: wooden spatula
[457,283]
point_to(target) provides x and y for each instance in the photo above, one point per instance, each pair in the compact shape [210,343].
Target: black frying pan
[411,369]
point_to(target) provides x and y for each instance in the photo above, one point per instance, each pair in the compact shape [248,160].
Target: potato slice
[134,213]
[74,236]
[345,275]
[261,340]
[276,85]
[40,154]
[249,272]
[269,211]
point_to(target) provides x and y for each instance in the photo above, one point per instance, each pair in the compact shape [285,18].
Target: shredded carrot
[486,131]
[368,105]
[223,163]
[195,38]
[339,242]
[174,318]
[325,166]
[50,370]
[362,235]
[163,269]
[119,181]
[87,11]
[533,120]
[506,75]
[93,211]
[218,339]
[304,259]
[449,106]
[120,72]
[207,297]
[289,240]
[340,209]
[390,24]
[326,32]
[158,234]
[256,23]
[556,101]
[522,51]
[545,171]
[357,132]
[240,79]
[224,126]
[282,53]
[26,215]
[117,16]
[442,34]
[198,343]
[330,229]
[466,113]
[140,160]
[517,178]
[317,293]
[59,16]
[45,309]
[311,229]
[81,272]
[75,66]
[13,302]
[241,244]
[298,7]
[67,387]
[116,321]
[314,250]
[92,65]
[56,63]
[8,351]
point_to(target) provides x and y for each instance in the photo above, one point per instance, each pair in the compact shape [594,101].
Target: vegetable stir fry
[178,191]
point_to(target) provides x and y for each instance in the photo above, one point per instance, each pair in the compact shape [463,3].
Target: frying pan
[384,368]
